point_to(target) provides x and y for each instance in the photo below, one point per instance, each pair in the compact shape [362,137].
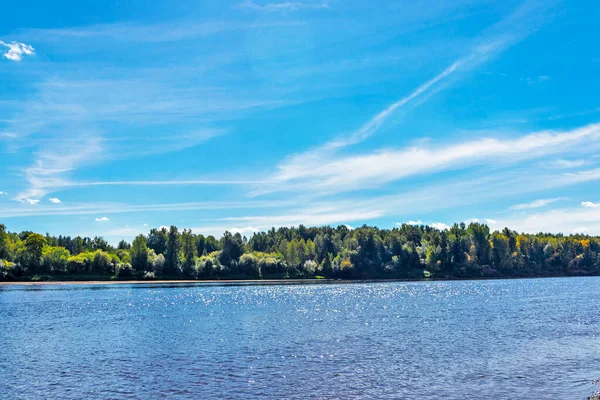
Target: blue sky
[242,115]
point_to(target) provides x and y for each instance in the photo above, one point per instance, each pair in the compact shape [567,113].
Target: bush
[249,266]
[82,262]
[5,272]
[102,262]
[310,267]
[208,266]
[272,266]
[55,259]
[124,256]
[156,262]
[124,270]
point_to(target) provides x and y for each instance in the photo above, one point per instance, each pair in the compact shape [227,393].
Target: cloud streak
[288,6]
[489,44]
[535,204]
[384,166]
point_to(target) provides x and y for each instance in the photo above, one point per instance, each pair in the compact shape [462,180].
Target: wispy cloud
[102,219]
[28,201]
[383,166]
[16,51]
[115,208]
[53,165]
[308,217]
[566,220]
[54,200]
[536,204]
[150,33]
[3,193]
[307,165]
[66,119]
[562,163]
[297,166]
[193,182]
[288,6]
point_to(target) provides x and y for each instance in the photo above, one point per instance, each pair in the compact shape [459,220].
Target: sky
[120,116]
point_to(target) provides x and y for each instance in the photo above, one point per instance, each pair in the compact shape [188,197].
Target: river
[496,339]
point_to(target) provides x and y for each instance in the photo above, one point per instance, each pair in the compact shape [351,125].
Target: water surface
[511,339]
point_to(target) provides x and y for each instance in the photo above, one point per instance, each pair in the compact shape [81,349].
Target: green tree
[188,242]
[31,256]
[139,253]
[157,240]
[173,252]
[200,244]
[3,247]
[232,247]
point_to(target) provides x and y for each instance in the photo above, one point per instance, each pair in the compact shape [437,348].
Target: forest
[405,252]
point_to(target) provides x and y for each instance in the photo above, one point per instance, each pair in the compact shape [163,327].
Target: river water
[497,339]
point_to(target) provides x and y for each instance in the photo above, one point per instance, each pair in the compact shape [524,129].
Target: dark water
[518,339]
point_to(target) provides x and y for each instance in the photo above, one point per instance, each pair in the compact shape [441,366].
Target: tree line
[405,252]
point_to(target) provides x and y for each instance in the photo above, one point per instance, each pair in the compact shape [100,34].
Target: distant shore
[291,281]
[167,281]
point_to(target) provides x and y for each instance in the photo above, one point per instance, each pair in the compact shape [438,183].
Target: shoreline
[270,281]
[174,281]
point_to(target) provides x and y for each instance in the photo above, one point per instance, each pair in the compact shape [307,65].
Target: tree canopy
[408,251]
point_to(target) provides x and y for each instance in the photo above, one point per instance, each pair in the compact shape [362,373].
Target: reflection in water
[453,340]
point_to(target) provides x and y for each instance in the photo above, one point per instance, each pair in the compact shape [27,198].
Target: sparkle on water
[534,339]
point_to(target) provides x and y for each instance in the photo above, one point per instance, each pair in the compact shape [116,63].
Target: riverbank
[292,281]
[174,281]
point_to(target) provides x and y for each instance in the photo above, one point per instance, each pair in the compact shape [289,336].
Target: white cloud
[472,220]
[589,204]
[28,200]
[102,219]
[53,164]
[417,222]
[562,163]
[490,221]
[196,182]
[54,200]
[17,50]
[150,33]
[244,231]
[382,166]
[304,170]
[3,193]
[288,6]
[440,225]
[303,165]
[569,220]
[309,217]
[536,204]
[145,225]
